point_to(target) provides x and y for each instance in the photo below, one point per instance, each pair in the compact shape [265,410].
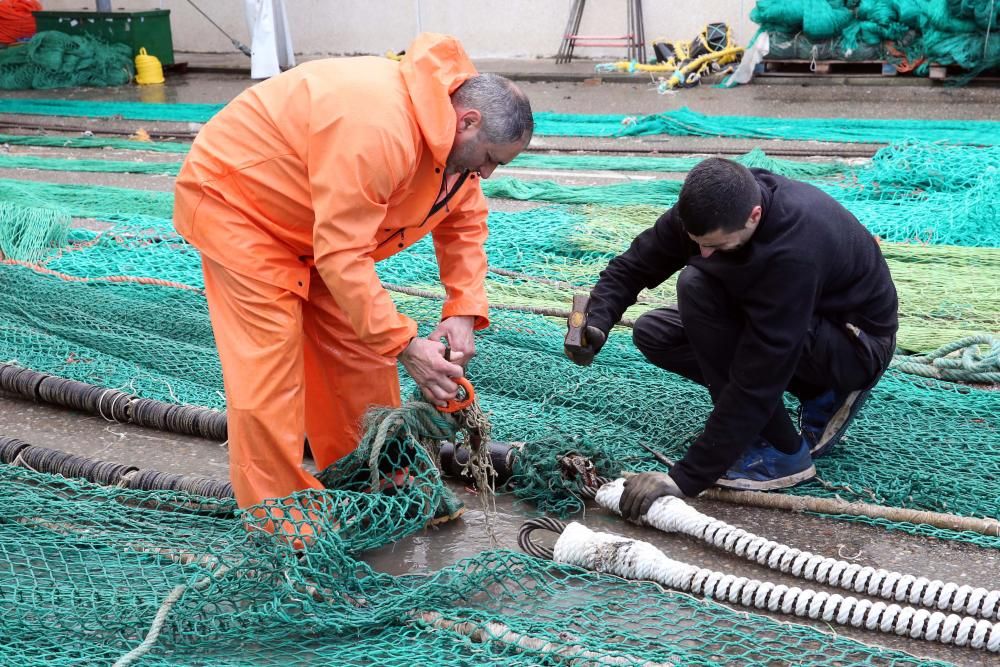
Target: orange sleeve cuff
[467,308]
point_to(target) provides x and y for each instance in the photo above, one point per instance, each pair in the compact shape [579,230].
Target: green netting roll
[782,15]
[57,141]
[8,161]
[944,32]
[822,19]
[662,192]
[174,112]
[58,60]
[942,15]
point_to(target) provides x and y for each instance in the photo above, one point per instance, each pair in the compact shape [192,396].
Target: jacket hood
[433,68]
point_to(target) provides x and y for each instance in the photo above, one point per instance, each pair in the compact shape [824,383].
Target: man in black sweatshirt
[782,289]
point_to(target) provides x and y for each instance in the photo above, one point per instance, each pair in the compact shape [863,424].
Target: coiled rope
[673,515]
[637,560]
[972,365]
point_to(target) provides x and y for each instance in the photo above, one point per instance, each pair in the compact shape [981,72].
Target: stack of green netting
[945,32]
[84,570]
[57,60]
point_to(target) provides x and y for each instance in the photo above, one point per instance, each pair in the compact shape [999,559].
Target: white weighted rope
[634,559]
[673,515]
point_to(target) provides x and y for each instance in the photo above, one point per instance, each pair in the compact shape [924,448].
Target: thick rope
[990,527]
[101,279]
[971,365]
[673,515]
[481,633]
[636,560]
[417,418]
[837,506]
[537,310]
[428,426]
[161,618]
[477,429]
[154,630]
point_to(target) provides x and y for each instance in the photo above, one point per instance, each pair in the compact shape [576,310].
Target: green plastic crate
[149,30]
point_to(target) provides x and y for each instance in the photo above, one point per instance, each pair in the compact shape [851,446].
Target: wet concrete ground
[434,548]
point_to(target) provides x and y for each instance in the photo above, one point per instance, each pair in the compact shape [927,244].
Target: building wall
[488,29]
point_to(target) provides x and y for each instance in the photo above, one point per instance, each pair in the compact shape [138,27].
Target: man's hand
[424,360]
[642,490]
[593,341]
[457,331]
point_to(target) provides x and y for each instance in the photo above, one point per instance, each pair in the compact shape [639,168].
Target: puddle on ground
[439,546]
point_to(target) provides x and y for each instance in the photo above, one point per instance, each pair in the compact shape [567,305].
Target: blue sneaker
[824,420]
[763,468]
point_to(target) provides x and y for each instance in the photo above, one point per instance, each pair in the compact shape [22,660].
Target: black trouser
[697,339]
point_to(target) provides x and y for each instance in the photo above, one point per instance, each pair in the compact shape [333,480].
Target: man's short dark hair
[718,194]
[506,111]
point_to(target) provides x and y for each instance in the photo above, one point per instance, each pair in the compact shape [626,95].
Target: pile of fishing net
[57,60]
[919,32]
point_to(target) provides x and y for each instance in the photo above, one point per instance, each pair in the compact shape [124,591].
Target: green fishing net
[57,60]
[86,571]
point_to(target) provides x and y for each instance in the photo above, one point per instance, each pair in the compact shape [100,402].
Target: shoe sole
[437,521]
[770,484]
[837,425]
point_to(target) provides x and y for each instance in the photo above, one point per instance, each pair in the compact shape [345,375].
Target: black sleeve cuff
[690,486]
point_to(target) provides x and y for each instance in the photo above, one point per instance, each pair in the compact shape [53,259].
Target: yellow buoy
[147,68]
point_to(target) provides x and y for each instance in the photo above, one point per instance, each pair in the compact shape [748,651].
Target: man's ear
[755,215]
[469,119]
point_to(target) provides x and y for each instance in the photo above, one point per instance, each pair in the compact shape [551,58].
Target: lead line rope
[673,515]
[633,559]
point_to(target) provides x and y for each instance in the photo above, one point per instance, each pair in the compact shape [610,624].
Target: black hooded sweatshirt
[808,256]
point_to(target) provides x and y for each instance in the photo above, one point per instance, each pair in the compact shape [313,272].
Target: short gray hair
[505,109]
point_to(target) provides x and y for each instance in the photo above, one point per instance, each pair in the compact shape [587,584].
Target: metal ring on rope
[528,545]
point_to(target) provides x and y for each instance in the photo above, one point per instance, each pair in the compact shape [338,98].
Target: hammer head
[576,325]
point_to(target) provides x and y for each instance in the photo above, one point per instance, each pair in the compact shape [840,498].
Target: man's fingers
[442,388]
[647,502]
[625,504]
[432,399]
[456,356]
[452,370]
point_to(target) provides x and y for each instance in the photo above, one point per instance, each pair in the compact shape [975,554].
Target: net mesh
[84,570]
[168,353]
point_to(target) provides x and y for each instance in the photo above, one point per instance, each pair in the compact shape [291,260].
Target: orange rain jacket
[322,167]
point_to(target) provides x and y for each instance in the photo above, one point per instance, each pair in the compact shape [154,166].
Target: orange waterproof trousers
[292,367]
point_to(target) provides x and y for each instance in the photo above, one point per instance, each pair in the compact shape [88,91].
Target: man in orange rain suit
[292,192]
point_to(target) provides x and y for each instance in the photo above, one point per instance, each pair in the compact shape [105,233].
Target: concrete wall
[488,28]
